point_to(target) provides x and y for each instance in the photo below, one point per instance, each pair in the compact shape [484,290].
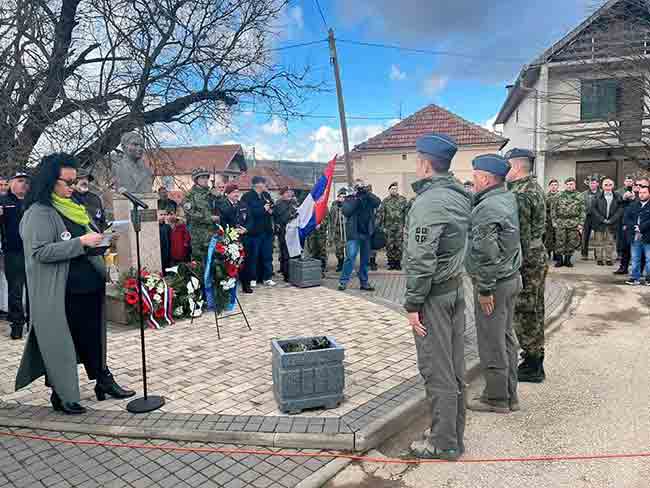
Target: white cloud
[435,84]
[219,128]
[396,74]
[295,14]
[275,127]
[327,141]
[489,123]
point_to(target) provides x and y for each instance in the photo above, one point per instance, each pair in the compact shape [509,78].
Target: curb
[324,474]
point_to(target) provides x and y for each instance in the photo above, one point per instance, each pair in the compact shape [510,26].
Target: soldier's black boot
[373,264]
[567,261]
[533,373]
[398,265]
[339,265]
[559,261]
[16,331]
[542,361]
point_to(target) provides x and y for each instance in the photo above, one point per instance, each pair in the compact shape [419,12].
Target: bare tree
[76,74]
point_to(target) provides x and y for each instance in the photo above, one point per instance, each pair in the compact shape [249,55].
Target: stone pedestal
[149,234]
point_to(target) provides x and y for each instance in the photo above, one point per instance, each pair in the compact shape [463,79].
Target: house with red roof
[274,180]
[391,155]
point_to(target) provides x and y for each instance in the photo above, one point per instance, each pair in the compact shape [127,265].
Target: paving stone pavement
[35,463]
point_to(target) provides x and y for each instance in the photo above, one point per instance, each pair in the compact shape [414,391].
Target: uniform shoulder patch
[187,205]
[421,234]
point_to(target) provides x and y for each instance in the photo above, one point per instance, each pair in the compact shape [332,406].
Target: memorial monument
[133,175]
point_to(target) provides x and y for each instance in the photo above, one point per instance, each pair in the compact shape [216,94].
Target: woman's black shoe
[68,408]
[106,385]
[246,288]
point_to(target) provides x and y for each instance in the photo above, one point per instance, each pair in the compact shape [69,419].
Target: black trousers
[586,235]
[84,314]
[284,256]
[15,274]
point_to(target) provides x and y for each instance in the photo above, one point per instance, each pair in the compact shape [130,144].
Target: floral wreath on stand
[223,263]
[185,280]
[157,298]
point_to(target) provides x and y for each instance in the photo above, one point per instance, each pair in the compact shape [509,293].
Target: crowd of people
[605,223]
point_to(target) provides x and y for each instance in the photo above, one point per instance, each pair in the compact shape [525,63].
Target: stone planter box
[115,306]
[308,379]
[305,273]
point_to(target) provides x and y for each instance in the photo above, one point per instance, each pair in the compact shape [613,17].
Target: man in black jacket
[359,210]
[11,212]
[637,229]
[627,196]
[283,213]
[604,217]
[88,199]
[259,241]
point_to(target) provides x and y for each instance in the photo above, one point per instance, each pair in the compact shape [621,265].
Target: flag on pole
[311,212]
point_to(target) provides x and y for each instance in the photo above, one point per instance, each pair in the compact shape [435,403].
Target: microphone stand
[146,403]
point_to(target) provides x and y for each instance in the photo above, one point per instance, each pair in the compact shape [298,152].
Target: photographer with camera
[359,211]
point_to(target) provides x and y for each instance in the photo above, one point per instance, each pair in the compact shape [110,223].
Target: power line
[322,16]
[316,116]
[426,51]
[303,44]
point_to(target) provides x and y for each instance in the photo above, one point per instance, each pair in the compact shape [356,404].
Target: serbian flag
[311,212]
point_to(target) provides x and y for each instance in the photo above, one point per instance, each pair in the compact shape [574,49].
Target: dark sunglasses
[69,184]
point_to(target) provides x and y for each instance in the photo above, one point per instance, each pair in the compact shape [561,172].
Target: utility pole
[339,95]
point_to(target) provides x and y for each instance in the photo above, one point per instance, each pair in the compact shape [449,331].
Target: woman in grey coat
[66,279]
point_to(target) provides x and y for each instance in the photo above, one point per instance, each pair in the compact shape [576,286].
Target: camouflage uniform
[317,244]
[549,234]
[529,308]
[391,218]
[199,220]
[336,231]
[567,214]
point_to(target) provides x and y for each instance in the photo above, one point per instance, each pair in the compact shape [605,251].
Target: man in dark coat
[283,213]
[605,214]
[11,213]
[637,230]
[88,199]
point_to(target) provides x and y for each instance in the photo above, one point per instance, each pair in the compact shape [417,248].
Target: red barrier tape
[329,455]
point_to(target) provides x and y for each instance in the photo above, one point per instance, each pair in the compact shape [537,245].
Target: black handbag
[378,240]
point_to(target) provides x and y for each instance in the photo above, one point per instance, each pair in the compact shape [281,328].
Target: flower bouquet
[188,291]
[224,261]
[157,298]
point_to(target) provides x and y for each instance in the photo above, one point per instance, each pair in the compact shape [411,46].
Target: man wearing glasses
[11,212]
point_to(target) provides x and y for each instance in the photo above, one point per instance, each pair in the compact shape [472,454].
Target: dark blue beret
[519,153]
[439,146]
[492,163]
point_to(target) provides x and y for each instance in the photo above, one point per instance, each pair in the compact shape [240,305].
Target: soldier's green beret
[570,179]
[393,184]
[492,163]
[199,172]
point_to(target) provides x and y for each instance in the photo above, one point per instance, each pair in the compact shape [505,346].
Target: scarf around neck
[71,210]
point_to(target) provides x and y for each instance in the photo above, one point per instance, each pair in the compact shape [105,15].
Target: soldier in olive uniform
[493,262]
[200,219]
[336,228]
[437,228]
[529,310]
[317,244]
[549,234]
[568,215]
[391,217]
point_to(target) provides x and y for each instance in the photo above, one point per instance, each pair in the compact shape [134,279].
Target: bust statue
[131,174]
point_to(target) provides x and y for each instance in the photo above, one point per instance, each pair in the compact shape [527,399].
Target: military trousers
[394,244]
[567,240]
[530,308]
[497,343]
[441,362]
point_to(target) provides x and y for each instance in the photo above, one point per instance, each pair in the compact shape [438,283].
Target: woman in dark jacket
[605,215]
[66,278]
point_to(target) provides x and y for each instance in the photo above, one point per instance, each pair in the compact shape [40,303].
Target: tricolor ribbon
[167,300]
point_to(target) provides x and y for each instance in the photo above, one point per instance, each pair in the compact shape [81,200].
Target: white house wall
[520,127]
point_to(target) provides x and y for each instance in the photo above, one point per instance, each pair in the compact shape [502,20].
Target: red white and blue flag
[311,212]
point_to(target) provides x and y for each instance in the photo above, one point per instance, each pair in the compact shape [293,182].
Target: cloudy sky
[489,41]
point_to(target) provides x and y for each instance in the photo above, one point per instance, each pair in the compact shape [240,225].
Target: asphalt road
[595,401]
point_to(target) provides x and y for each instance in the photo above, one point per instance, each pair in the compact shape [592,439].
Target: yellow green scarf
[71,210]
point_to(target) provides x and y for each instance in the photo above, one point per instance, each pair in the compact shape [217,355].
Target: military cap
[84,173]
[439,146]
[258,179]
[519,153]
[20,174]
[570,179]
[343,191]
[199,172]
[231,187]
[492,163]
[468,183]
[553,181]
[629,177]
[394,183]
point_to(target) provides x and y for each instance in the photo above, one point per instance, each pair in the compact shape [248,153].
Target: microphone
[133,199]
